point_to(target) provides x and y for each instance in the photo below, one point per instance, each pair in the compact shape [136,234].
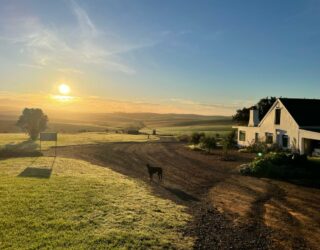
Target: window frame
[242,135]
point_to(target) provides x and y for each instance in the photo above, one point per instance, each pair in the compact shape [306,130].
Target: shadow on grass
[181,194]
[23,149]
[38,172]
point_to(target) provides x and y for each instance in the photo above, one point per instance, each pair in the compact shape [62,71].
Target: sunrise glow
[64,89]
[63,98]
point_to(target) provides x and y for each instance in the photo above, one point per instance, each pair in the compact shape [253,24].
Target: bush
[196,137]
[208,143]
[24,149]
[133,132]
[282,166]
[262,147]
[257,147]
[184,138]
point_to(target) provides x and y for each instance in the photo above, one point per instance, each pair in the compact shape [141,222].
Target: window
[277,116]
[242,135]
[285,141]
[256,137]
[269,138]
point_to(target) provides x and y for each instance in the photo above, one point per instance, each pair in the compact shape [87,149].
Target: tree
[228,142]
[242,115]
[264,105]
[208,143]
[32,121]
[196,137]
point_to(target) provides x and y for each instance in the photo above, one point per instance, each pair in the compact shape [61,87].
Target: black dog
[153,170]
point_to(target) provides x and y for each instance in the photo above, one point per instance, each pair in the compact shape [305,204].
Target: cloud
[84,21]
[70,70]
[84,44]
[206,108]
[34,66]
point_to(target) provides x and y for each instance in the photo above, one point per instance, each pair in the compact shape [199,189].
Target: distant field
[69,123]
[94,126]
[178,130]
[78,138]
[64,203]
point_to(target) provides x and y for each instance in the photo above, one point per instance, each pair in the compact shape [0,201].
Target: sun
[64,89]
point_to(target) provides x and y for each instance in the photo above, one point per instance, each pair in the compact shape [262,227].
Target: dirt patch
[230,210]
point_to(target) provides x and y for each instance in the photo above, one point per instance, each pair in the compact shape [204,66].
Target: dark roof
[306,112]
[312,129]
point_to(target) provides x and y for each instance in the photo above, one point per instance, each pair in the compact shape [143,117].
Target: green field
[64,203]
[77,139]
[67,139]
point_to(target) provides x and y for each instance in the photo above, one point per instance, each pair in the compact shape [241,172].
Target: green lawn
[76,205]
[78,138]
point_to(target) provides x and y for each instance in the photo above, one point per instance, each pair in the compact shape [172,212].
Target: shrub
[208,143]
[257,147]
[282,166]
[133,132]
[184,138]
[196,137]
[299,159]
[262,147]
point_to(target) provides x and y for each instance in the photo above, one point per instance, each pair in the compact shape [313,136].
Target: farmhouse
[290,123]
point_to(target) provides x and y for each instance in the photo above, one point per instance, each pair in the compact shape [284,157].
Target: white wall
[287,126]
[250,135]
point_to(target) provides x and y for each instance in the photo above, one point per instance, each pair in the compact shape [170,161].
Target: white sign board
[49,137]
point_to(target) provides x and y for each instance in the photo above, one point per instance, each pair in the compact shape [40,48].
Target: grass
[77,139]
[179,130]
[73,204]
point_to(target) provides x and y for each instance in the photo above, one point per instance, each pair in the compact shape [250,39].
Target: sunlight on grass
[82,206]
[78,139]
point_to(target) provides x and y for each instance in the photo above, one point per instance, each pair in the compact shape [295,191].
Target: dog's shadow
[181,194]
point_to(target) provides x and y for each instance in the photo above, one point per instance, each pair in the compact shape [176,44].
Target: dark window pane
[269,138]
[278,116]
[285,141]
[256,137]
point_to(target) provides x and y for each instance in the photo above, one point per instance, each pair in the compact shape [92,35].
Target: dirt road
[230,210]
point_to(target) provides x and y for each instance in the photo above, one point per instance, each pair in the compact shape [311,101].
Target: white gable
[269,118]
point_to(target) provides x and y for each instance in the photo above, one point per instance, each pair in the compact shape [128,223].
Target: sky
[169,56]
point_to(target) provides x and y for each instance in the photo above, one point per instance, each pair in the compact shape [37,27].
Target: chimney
[254,118]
